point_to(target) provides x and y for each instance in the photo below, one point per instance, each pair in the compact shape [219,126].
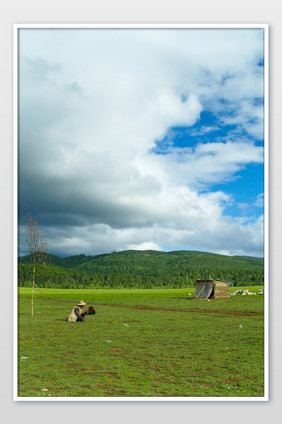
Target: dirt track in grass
[199,311]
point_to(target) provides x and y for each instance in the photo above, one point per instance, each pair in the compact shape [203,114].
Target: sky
[142,139]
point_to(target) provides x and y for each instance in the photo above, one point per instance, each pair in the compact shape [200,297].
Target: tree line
[58,277]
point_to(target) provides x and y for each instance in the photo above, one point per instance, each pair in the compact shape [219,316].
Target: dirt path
[200,311]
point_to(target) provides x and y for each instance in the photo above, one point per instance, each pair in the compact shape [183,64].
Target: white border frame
[16,28]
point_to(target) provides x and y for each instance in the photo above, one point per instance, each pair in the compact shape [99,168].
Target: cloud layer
[93,107]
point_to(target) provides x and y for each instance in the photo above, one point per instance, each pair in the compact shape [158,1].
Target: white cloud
[259,202]
[203,130]
[208,163]
[144,246]
[93,104]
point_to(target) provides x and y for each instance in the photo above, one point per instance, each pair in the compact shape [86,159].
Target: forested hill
[149,268]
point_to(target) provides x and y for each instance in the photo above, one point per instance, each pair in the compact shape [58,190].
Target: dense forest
[141,269]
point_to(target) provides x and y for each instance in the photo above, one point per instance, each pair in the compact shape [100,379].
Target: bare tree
[37,246]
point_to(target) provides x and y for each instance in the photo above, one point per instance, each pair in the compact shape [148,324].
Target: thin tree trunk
[37,247]
[33,283]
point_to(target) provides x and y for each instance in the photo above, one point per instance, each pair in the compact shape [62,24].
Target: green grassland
[140,343]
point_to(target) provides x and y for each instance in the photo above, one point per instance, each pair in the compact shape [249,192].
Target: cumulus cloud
[94,103]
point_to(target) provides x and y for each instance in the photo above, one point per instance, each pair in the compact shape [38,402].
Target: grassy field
[140,343]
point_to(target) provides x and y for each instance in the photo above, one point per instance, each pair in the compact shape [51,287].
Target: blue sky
[143,139]
[246,187]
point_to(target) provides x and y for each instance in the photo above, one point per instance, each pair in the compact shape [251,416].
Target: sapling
[37,246]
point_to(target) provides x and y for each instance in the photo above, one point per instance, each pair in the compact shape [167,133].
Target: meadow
[141,343]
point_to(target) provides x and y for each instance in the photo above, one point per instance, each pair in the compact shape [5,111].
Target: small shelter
[212,289]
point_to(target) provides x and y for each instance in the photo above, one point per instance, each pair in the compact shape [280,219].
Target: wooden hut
[212,289]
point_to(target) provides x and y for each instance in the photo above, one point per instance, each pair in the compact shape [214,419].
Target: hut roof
[211,280]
